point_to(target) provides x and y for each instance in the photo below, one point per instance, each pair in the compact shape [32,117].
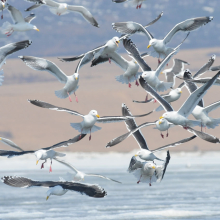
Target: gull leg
[167,133]
[185,127]
[150,182]
[155,101]
[2,15]
[76,97]
[137,84]
[139,180]
[42,165]
[140,5]
[129,84]
[50,167]
[161,135]
[69,97]
[146,98]
[137,7]
[80,134]
[90,137]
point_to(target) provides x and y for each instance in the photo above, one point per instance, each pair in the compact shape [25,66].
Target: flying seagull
[80,175]
[41,154]
[136,2]
[144,153]
[2,6]
[71,82]
[160,46]
[63,8]
[148,171]
[20,23]
[57,188]
[88,124]
[11,48]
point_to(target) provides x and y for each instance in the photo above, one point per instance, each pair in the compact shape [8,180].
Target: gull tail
[214,123]
[76,126]
[62,94]
[6,27]
[163,86]
[121,79]
[192,123]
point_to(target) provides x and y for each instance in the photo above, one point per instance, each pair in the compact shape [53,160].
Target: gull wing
[132,50]
[10,154]
[87,189]
[212,107]
[100,176]
[134,164]
[167,107]
[29,18]
[85,13]
[206,67]
[10,143]
[67,164]
[187,25]
[174,144]
[51,3]
[41,64]
[66,143]
[16,15]
[187,108]
[33,7]
[53,107]
[119,60]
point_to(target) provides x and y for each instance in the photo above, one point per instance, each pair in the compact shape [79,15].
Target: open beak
[153,167]
[117,42]
[161,117]
[37,162]
[97,116]
[47,198]
[148,46]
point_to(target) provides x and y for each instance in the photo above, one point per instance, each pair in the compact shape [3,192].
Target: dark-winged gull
[79,175]
[63,8]
[71,82]
[20,23]
[57,188]
[136,2]
[88,124]
[148,172]
[41,154]
[160,46]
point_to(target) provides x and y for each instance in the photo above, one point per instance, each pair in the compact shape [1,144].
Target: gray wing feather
[10,154]
[53,107]
[29,18]
[212,107]
[10,143]
[33,7]
[15,14]
[174,144]
[152,92]
[41,64]
[134,164]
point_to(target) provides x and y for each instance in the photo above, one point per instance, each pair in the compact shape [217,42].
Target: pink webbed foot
[155,101]
[149,184]
[77,99]
[42,165]
[137,84]
[137,7]
[129,85]
[186,128]
[90,137]
[50,169]
[138,181]
[109,60]
[159,61]
[162,135]
[167,135]
[69,97]
[140,5]
[2,17]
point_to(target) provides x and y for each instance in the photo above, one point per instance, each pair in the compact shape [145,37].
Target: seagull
[63,8]
[180,117]
[88,124]
[2,6]
[144,153]
[104,52]
[131,67]
[71,82]
[20,23]
[172,96]
[160,46]
[148,171]
[11,48]
[150,76]
[177,69]
[201,112]
[41,154]
[57,188]
[138,2]
[80,175]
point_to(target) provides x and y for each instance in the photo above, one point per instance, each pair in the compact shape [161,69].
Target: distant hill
[70,34]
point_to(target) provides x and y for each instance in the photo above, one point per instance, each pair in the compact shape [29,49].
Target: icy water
[189,190]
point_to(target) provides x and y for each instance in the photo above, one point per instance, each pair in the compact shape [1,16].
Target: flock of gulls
[135,70]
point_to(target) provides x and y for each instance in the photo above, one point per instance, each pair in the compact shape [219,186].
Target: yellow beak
[148,46]
[161,73]
[47,198]
[180,91]
[160,122]
[97,116]
[135,155]
[37,29]
[153,167]
[37,162]
[3,5]
[117,42]
[76,78]
[0,138]
[161,117]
